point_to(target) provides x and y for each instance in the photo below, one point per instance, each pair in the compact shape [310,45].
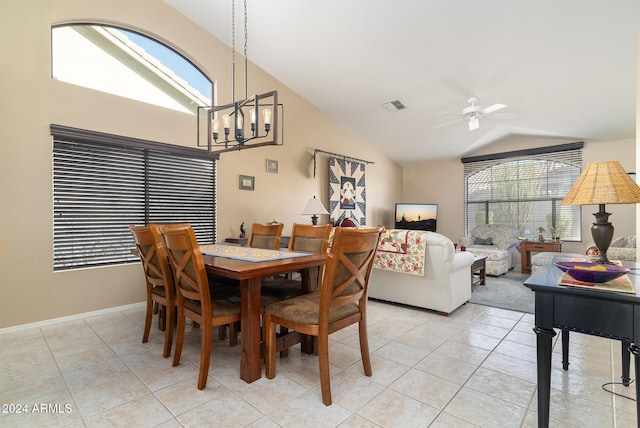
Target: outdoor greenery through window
[523,189]
[103,183]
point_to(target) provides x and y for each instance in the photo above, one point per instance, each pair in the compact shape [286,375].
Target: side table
[526,247]
[479,267]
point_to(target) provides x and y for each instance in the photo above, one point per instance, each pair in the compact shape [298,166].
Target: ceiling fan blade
[501,116]
[492,108]
[448,123]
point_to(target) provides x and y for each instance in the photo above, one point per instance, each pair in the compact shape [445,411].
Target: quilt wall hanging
[347,191]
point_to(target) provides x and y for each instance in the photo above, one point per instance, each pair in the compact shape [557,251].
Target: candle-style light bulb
[215,124]
[226,122]
[253,120]
[266,114]
[239,127]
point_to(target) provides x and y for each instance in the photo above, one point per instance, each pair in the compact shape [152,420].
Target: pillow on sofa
[480,241]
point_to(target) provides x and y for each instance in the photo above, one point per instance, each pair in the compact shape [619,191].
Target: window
[523,189]
[103,183]
[128,64]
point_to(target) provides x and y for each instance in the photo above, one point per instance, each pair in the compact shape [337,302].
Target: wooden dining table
[249,274]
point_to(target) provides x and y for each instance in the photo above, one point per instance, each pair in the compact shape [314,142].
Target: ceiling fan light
[474,123]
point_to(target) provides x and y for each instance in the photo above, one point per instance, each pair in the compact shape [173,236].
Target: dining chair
[265,235]
[159,281]
[193,296]
[304,237]
[340,302]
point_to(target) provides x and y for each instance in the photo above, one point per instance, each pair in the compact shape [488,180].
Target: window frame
[567,156]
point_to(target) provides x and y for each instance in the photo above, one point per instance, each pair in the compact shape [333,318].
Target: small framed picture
[246,182]
[272,165]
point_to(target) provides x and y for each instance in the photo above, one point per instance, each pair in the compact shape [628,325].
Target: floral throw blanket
[401,250]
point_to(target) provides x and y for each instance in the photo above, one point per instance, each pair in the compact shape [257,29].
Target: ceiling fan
[473,112]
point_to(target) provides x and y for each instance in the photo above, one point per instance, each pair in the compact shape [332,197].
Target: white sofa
[445,283]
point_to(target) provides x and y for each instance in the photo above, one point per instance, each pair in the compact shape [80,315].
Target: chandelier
[226,125]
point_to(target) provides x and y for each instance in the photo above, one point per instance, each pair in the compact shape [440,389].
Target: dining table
[221,261]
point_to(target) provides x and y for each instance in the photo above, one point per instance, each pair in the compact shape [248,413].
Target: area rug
[505,292]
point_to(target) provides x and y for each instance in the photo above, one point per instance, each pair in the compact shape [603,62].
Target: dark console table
[611,315]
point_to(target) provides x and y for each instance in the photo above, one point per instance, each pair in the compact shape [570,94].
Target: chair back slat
[153,257]
[188,266]
[310,238]
[265,235]
[348,268]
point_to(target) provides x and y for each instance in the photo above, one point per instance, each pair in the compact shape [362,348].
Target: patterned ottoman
[497,260]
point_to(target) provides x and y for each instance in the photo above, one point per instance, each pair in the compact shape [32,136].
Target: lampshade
[603,183]
[314,208]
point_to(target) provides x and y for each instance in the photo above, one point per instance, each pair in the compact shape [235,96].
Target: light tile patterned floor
[473,368]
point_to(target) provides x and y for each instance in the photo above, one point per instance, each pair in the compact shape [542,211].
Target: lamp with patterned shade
[603,183]
[314,208]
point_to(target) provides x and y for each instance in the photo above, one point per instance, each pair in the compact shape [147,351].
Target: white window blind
[523,189]
[100,188]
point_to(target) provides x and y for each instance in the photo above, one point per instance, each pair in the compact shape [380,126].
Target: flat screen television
[416,216]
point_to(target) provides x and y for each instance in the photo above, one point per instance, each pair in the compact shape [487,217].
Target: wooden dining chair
[159,281]
[340,302]
[193,296]
[265,235]
[304,237]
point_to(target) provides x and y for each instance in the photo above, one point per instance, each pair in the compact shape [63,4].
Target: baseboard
[70,317]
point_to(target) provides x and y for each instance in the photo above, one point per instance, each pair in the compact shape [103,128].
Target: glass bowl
[591,272]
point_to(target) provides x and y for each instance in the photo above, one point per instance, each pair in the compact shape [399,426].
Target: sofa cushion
[481,241]
[624,242]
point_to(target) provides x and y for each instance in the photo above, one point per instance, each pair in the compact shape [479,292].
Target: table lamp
[314,208]
[603,183]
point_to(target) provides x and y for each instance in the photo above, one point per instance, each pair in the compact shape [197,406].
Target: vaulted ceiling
[564,69]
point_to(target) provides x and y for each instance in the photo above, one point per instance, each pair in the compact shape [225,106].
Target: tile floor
[475,368]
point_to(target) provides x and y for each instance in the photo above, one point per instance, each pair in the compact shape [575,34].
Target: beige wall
[29,289]
[442,183]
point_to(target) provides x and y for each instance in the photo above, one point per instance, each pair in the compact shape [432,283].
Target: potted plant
[540,232]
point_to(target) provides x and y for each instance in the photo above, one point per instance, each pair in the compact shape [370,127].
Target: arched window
[524,189]
[128,64]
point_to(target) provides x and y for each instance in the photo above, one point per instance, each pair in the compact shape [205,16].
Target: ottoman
[540,259]
[497,260]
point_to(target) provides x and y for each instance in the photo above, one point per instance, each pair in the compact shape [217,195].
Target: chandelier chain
[246,58]
[233,49]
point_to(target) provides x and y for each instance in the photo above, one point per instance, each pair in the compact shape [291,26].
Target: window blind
[523,189]
[100,189]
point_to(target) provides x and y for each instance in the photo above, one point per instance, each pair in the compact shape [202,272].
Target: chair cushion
[480,241]
[282,288]
[219,307]
[159,291]
[305,309]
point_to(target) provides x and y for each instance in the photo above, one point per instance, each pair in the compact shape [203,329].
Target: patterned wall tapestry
[347,195]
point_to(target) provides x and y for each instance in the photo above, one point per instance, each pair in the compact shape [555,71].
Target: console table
[611,315]
[526,247]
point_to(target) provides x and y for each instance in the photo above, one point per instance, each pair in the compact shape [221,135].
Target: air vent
[393,105]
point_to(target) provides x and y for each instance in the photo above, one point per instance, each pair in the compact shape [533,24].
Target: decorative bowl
[591,272]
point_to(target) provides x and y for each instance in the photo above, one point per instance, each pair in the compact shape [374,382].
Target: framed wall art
[272,165]
[247,182]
